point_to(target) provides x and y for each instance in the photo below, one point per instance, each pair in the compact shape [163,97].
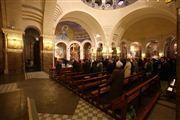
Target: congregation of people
[165,67]
[119,71]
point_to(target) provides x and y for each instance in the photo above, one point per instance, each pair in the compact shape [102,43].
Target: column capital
[12,31]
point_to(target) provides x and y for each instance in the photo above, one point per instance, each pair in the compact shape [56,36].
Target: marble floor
[52,101]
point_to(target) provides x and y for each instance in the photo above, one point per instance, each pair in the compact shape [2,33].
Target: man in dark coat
[116,83]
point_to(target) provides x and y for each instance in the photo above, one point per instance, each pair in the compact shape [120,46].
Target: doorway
[32,50]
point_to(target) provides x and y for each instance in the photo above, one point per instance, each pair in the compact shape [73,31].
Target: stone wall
[15,62]
[47,61]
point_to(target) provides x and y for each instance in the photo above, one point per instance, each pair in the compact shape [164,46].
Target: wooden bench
[69,75]
[137,92]
[133,80]
[63,71]
[82,76]
[92,82]
[104,88]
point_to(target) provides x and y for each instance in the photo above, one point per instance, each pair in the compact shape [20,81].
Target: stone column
[14,60]
[47,52]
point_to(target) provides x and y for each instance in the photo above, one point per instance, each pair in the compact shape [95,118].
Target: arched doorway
[32,50]
[87,51]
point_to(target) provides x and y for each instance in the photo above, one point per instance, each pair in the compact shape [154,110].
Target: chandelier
[108,4]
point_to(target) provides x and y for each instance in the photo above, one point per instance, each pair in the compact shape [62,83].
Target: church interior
[89,59]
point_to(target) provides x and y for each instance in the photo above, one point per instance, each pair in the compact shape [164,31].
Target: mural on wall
[64,33]
[135,50]
[152,49]
[170,49]
[114,51]
[60,51]
[74,52]
[99,53]
[68,31]
[123,49]
[87,51]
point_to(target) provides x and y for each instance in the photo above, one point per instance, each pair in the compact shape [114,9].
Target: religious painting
[114,51]
[75,52]
[99,51]
[60,51]
[87,51]
[63,35]
[135,50]
[170,49]
[123,49]
[152,49]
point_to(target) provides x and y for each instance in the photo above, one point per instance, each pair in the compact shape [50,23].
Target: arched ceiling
[87,22]
[141,14]
[149,28]
[73,31]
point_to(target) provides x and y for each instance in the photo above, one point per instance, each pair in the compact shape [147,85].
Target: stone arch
[33,27]
[139,14]
[86,20]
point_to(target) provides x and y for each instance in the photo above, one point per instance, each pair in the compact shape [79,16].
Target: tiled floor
[83,111]
[55,102]
[9,87]
[13,106]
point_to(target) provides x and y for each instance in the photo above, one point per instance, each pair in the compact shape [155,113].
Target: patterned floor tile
[31,75]
[10,87]
[84,111]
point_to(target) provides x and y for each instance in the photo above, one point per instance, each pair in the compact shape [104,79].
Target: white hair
[119,64]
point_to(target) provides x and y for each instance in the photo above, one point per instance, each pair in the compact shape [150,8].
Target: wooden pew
[104,88]
[85,76]
[82,76]
[69,75]
[127,98]
[92,82]
[133,80]
[63,71]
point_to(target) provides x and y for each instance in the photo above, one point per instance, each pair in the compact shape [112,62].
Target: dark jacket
[116,83]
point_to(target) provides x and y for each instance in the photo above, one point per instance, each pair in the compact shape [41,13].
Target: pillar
[47,52]
[14,62]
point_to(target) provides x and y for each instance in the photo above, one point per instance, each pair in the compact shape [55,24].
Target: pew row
[138,92]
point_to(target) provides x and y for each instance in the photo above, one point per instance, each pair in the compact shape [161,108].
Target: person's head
[119,64]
